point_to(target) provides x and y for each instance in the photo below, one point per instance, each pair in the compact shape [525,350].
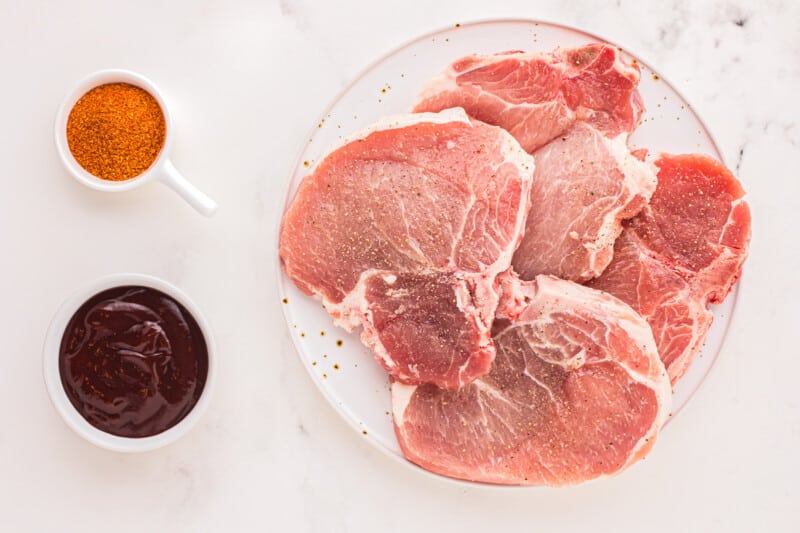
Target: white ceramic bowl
[58,395]
[162,168]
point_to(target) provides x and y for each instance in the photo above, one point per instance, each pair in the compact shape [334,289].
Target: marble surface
[245,82]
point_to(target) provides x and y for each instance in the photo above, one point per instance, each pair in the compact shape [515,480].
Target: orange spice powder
[116,131]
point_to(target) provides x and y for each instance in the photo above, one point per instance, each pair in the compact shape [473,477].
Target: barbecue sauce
[133,361]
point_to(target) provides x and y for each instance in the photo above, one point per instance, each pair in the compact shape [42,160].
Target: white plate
[339,364]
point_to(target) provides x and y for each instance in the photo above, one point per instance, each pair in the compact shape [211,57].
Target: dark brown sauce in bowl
[133,361]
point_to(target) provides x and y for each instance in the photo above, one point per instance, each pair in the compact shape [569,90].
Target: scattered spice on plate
[116,131]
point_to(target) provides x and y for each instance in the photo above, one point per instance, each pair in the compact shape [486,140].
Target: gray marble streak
[295,10]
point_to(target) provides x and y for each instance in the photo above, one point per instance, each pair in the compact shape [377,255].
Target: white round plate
[345,370]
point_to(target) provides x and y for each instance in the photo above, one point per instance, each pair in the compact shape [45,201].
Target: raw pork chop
[576,392]
[536,96]
[683,252]
[403,230]
[585,184]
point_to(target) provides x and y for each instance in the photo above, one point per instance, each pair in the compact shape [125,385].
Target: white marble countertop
[246,80]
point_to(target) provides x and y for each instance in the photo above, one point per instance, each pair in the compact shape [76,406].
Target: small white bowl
[162,168]
[52,375]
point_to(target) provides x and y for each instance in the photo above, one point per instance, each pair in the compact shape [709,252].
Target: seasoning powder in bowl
[116,131]
[133,361]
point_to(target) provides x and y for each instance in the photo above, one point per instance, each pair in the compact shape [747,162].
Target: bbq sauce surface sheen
[133,361]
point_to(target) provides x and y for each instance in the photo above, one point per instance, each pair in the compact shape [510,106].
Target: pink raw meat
[412,219]
[576,392]
[601,88]
[429,327]
[683,252]
[538,96]
[585,184]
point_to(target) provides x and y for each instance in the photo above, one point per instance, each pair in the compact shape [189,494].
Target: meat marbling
[538,96]
[576,392]
[584,186]
[418,212]
[681,253]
